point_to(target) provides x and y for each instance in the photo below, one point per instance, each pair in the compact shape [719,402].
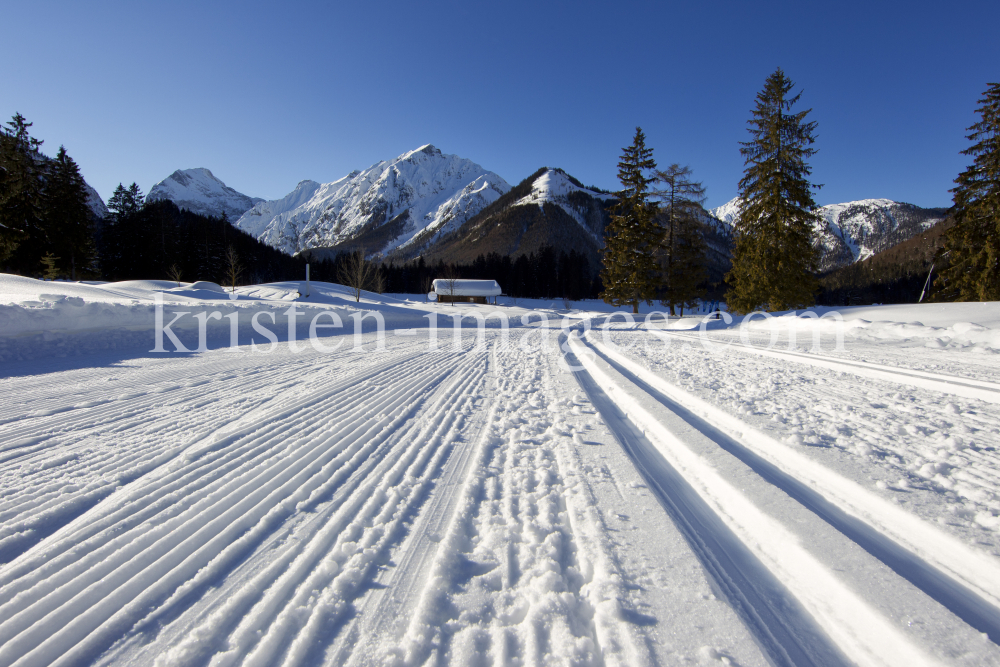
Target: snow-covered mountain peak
[853,231]
[426,149]
[186,177]
[200,191]
[728,212]
[420,194]
[555,186]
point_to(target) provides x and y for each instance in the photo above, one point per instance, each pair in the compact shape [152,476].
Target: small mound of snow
[202,285]
[142,284]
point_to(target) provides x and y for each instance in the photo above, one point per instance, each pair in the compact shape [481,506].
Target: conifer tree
[774,260]
[68,221]
[683,257]
[123,253]
[51,270]
[632,238]
[972,246]
[21,171]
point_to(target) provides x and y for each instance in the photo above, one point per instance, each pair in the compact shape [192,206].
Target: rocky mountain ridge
[412,199]
[853,231]
[199,191]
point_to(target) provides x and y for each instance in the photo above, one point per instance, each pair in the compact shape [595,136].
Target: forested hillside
[895,275]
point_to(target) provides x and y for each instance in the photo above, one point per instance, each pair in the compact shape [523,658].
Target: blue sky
[266,96]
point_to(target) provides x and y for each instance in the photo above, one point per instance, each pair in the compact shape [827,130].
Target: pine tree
[21,172]
[122,254]
[51,264]
[683,257]
[67,220]
[972,246]
[632,238]
[774,260]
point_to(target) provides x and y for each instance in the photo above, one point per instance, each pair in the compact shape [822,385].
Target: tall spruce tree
[632,238]
[972,246]
[683,257]
[774,260]
[67,219]
[22,171]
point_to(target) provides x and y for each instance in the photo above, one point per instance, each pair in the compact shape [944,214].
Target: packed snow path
[482,505]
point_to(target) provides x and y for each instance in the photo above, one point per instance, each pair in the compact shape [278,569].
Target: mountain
[549,207]
[854,231]
[414,199]
[199,191]
[94,201]
[895,275]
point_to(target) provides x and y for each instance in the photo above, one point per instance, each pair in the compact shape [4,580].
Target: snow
[566,489]
[433,192]
[554,187]
[199,191]
[851,231]
[728,212]
[94,201]
[467,287]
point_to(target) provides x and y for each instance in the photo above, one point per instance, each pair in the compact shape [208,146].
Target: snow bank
[903,323]
[958,326]
[41,319]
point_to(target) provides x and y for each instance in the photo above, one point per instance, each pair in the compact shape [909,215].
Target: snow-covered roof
[467,287]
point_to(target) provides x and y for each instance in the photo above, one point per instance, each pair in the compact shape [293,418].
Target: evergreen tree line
[896,275]
[46,227]
[48,230]
[547,274]
[158,239]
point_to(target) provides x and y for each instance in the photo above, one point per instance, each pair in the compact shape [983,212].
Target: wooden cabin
[451,290]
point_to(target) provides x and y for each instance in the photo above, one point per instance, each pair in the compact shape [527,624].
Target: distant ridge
[854,231]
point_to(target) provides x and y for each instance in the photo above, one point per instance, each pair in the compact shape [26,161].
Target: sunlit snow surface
[640,495]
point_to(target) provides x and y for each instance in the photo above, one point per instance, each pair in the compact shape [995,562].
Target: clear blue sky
[268,94]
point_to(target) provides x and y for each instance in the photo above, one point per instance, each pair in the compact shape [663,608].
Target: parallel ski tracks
[966,592]
[81,453]
[353,458]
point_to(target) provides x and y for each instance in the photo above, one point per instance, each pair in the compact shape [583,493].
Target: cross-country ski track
[547,499]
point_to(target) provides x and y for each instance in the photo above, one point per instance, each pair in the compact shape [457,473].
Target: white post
[307,280]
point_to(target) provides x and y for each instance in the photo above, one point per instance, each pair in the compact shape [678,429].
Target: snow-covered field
[551,488]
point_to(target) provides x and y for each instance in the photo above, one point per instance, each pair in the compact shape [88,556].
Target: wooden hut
[454,290]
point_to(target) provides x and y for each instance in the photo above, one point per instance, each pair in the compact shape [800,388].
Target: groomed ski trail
[768,522]
[352,458]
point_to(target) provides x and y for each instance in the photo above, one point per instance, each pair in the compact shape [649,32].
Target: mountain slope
[199,191]
[854,231]
[895,275]
[422,194]
[549,207]
[94,201]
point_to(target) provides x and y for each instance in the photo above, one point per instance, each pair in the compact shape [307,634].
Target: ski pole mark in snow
[524,562]
[470,506]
